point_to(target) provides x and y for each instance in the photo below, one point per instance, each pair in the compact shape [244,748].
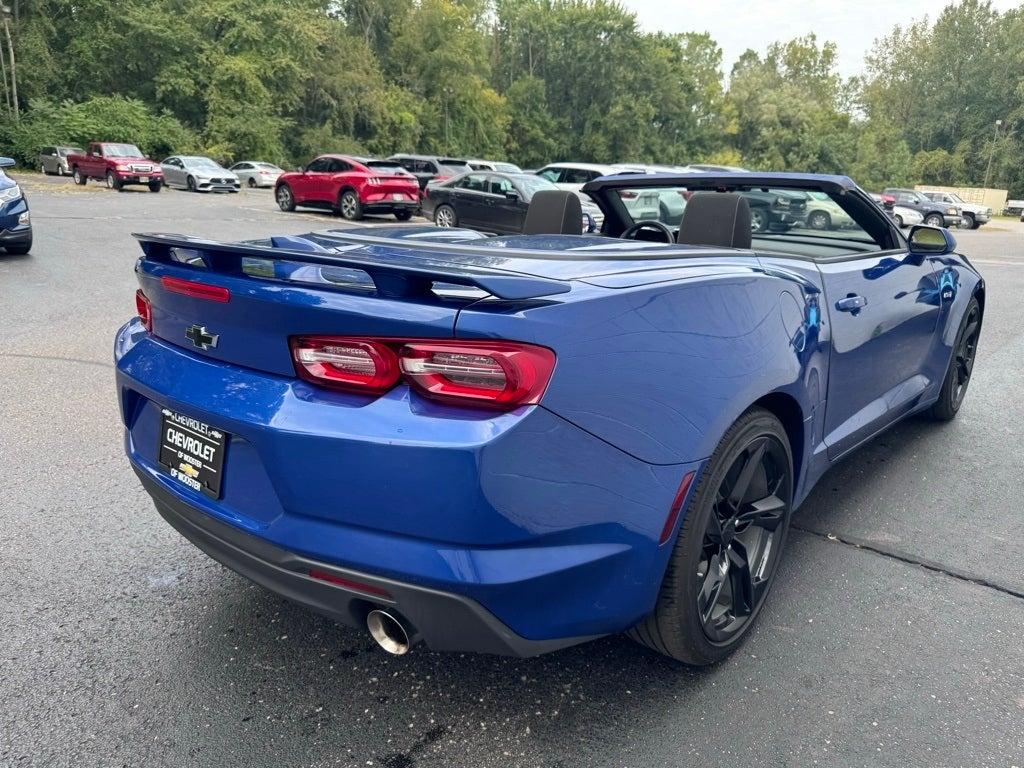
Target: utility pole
[6,11]
[992,151]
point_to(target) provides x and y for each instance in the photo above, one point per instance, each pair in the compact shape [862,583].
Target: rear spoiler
[399,278]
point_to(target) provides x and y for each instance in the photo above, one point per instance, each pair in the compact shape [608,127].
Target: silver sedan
[198,174]
[254,173]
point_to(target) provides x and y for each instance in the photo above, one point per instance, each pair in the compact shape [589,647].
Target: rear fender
[661,370]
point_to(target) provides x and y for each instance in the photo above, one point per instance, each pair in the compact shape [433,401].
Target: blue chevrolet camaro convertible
[514,444]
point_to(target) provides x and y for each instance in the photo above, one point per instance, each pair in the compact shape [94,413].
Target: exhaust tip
[388,632]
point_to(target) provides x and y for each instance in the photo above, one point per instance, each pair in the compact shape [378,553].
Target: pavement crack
[904,557]
[57,359]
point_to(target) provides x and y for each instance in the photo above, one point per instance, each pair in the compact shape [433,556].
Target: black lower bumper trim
[15,236]
[445,621]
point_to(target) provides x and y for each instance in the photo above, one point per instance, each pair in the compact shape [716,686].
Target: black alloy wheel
[961,365]
[729,545]
[738,553]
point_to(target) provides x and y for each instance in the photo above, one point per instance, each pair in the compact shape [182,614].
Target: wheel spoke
[711,588]
[765,513]
[713,532]
[740,581]
[755,453]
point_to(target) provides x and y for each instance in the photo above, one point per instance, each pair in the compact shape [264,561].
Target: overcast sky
[740,24]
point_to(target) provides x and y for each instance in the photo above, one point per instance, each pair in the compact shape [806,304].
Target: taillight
[501,374]
[360,365]
[196,290]
[373,181]
[497,374]
[145,309]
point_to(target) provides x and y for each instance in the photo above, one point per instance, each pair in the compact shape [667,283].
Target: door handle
[852,303]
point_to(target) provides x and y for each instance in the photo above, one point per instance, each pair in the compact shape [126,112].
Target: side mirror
[512,195]
[6,162]
[930,241]
[301,169]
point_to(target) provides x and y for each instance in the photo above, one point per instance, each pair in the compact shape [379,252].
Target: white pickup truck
[974,215]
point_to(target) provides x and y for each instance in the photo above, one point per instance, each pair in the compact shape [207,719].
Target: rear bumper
[546,528]
[444,621]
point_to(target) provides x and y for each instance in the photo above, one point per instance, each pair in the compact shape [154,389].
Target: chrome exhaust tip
[388,632]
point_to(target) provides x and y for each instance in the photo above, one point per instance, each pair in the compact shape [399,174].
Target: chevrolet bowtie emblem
[201,338]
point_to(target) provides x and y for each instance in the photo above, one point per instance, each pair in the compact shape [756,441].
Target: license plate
[398,196]
[192,452]
[143,179]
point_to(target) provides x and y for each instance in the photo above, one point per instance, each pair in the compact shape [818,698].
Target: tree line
[529,80]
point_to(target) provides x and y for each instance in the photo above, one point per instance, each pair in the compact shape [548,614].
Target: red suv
[351,186]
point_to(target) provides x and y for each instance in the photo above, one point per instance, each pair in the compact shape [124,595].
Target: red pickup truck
[117,164]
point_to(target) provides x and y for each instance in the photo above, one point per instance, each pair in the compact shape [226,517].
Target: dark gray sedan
[493,202]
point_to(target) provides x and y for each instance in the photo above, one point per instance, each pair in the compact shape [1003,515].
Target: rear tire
[758,220]
[42,170]
[78,177]
[20,249]
[961,365]
[819,220]
[899,220]
[112,181]
[349,205]
[730,542]
[445,216]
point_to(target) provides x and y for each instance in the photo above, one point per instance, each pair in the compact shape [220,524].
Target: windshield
[531,185]
[65,151]
[387,165]
[201,162]
[121,150]
[955,197]
[776,214]
[507,168]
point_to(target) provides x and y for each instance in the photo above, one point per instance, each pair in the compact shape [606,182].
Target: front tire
[934,220]
[728,548]
[190,184]
[961,365]
[251,182]
[285,198]
[349,206]
[155,186]
[969,222]
[112,181]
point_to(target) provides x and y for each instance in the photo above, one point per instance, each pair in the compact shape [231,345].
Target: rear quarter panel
[660,369]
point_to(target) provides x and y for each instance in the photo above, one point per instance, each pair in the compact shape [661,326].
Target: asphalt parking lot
[894,635]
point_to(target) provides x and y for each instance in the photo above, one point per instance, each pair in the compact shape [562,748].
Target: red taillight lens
[360,365]
[145,309]
[196,290]
[497,374]
[500,374]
